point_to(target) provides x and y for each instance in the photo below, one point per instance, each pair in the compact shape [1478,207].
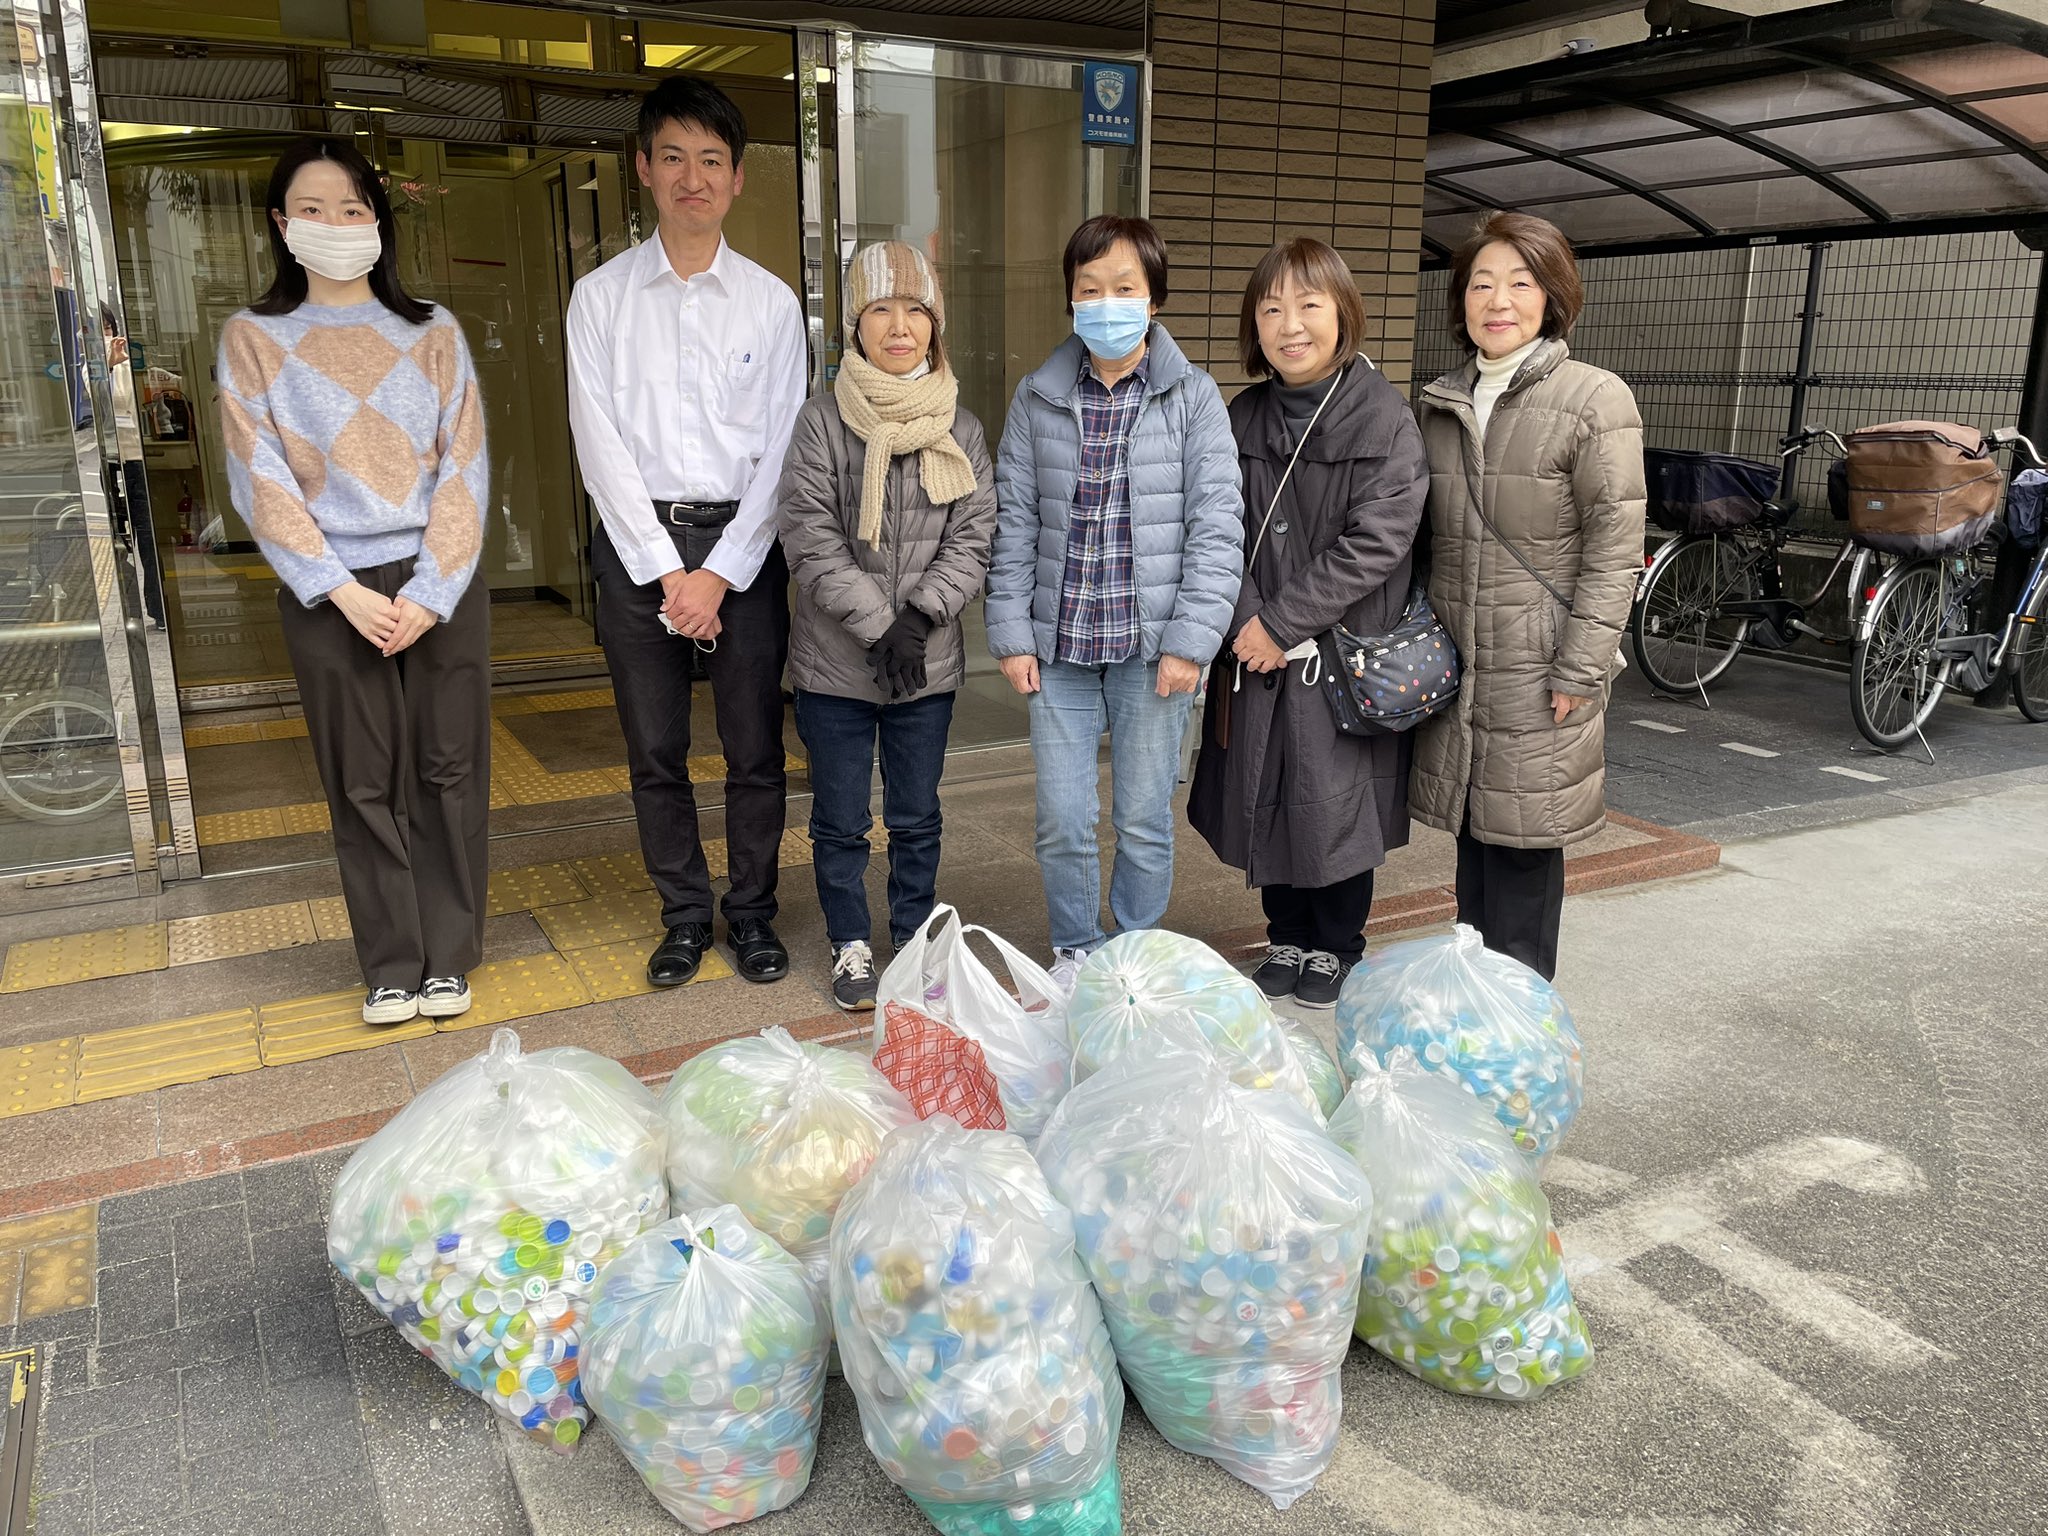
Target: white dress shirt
[684,391]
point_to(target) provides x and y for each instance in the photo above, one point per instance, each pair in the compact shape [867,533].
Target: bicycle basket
[1921,487]
[1706,492]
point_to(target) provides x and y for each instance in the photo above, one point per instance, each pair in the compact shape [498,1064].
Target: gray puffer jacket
[1187,507]
[932,558]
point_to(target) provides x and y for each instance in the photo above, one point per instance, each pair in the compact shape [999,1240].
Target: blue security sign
[1109,103]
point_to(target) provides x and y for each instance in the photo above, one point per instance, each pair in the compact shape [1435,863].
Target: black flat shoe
[680,952]
[759,954]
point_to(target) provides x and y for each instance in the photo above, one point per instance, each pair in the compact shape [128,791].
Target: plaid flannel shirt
[1098,621]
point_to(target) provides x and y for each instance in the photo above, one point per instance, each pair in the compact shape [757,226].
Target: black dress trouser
[650,670]
[1326,917]
[403,745]
[1514,897]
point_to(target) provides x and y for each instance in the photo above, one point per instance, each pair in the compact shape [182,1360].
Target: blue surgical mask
[1112,328]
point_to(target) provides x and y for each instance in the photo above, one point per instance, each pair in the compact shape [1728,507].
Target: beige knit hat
[890,269]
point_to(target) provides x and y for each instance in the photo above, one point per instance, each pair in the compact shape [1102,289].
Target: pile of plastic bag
[705,1358]
[478,1218]
[1478,1016]
[780,1128]
[1464,1281]
[937,979]
[972,1340]
[1128,986]
[1225,1231]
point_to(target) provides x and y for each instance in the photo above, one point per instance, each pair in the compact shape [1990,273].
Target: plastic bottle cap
[961,1444]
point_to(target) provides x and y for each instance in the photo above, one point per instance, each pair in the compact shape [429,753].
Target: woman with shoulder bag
[888,510]
[1334,482]
[355,453]
[1536,512]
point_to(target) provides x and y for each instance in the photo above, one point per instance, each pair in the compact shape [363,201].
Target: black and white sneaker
[1322,978]
[853,976]
[391,1005]
[1279,971]
[444,997]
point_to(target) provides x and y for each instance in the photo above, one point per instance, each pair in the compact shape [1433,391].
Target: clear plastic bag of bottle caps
[705,1358]
[1478,1016]
[478,1218]
[1139,978]
[1464,1282]
[972,1340]
[1325,1079]
[1225,1232]
[782,1129]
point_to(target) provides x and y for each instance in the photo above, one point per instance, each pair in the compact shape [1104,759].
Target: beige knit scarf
[895,415]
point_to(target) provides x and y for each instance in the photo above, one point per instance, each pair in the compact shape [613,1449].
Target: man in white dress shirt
[687,366]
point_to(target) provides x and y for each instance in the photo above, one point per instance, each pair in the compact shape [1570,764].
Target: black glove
[898,657]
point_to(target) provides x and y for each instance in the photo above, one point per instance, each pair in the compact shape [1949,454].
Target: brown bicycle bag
[1921,487]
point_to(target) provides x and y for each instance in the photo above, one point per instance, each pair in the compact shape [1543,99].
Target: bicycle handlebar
[2019,441]
[1805,437]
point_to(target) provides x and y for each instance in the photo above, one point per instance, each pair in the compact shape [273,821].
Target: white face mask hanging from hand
[339,252]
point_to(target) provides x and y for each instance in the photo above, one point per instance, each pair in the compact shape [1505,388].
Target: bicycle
[1917,638]
[1704,596]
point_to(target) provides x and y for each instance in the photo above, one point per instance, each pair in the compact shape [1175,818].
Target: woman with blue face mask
[1118,551]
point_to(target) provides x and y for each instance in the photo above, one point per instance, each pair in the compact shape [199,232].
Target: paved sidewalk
[1801,1214]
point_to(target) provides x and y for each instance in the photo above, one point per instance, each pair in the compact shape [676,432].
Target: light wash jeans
[1068,715]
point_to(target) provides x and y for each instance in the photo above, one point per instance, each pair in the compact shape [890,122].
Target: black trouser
[1325,917]
[404,751]
[650,671]
[1514,897]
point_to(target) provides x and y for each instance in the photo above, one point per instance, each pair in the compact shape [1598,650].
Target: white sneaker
[390,1005]
[444,997]
[1066,965]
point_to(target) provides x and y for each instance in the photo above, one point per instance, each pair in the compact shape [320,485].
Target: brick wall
[1272,118]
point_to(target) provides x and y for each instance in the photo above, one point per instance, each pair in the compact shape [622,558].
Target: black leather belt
[696,514]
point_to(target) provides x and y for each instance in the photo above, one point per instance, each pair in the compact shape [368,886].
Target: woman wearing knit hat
[888,511]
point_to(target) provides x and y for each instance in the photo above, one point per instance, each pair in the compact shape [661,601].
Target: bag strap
[1479,505]
[1237,667]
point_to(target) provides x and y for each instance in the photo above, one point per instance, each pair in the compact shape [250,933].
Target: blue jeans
[1068,713]
[839,734]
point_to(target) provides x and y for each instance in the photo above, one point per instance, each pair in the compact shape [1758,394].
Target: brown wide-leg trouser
[404,751]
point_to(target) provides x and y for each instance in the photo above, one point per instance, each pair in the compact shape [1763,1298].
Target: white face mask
[339,252]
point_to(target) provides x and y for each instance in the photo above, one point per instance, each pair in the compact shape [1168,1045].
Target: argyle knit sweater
[356,438]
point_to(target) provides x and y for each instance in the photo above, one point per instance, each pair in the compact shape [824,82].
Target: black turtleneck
[1298,403]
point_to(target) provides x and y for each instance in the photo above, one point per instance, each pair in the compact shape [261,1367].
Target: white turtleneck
[1494,375]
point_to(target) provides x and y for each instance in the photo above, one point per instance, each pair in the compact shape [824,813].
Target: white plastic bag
[705,1358]
[1464,1281]
[478,1218]
[1478,1016]
[1149,974]
[973,1341]
[782,1129]
[1022,1036]
[1325,1080]
[1225,1232]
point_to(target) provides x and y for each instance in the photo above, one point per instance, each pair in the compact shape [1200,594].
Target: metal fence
[1933,327]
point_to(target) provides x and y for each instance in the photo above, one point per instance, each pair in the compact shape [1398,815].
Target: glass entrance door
[976,157]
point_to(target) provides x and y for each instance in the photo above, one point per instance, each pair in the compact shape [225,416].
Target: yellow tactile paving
[243,732]
[244,931]
[37,1077]
[239,826]
[10,1292]
[601,920]
[330,917]
[56,1277]
[69,957]
[312,816]
[518,989]
[613,971]
[578,698]
[306,1028]
[118,1062]
[28,1231]
[606,874]
[534,885]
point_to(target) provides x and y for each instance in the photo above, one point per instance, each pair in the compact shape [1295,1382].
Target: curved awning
[1837,120]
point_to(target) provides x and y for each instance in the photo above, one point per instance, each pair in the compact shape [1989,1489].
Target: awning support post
[1802,373]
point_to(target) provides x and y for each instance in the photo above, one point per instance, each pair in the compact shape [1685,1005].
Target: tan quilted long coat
[1560,475]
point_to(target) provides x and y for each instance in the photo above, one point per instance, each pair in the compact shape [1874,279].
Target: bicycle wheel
[60,756]
[1895,679]
[1676,630]
[2030,659]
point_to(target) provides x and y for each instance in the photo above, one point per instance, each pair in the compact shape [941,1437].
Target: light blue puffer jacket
[1187,507]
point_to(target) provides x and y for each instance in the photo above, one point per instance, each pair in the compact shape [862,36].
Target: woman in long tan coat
[1536,522]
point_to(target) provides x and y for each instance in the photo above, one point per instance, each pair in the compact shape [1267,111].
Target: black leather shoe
[760,955]
[680,952]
